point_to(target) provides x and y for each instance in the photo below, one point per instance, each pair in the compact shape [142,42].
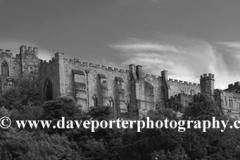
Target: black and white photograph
[119,79]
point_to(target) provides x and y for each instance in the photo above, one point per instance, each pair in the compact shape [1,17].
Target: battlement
[7,51]
[28,50]
[207,77]
[44,62]
[77,61]
[182,82]
[235,85]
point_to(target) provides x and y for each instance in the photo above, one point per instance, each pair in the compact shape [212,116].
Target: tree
[212,144]
[25,91]
[22,145]
[100,112]
[61,107]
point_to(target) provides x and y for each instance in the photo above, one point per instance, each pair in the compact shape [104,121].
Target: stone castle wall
[129,92]
[96,83]
[179,86]
[13,66]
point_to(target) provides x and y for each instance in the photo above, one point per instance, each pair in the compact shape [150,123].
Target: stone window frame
[127,106]
[237,105]
[95,100]
[231,102]
[225,100]
[192,92]
[103,80]
[4,68]
[48,87]
[82,84]
[119,82]
[151,88]
[111,102]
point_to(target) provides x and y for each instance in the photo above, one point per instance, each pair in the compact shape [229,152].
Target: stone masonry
[129,93]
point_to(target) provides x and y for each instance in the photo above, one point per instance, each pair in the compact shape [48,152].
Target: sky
[185,37]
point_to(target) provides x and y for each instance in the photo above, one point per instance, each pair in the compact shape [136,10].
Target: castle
[128,92]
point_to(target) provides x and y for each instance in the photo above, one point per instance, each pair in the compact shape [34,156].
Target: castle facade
[128,92]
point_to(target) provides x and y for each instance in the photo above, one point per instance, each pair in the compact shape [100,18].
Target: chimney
[139,72]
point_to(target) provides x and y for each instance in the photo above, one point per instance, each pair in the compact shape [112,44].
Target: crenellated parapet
[7,52]
[181,82]
[179,86]
[207,77]
[235,85]
[45,62]
[24,50]
[207,84]
[77,61]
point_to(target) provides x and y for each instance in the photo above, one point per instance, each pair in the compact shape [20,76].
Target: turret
[207,84]
[22,50]
[164,74]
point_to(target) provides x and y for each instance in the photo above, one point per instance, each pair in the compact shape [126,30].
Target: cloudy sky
[186,37]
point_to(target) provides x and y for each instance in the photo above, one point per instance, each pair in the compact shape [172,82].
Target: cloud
[185,58]
[230,51]
[14,46]
[145,46]
[230,44]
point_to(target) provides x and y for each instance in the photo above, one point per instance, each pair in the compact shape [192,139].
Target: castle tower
[207,84]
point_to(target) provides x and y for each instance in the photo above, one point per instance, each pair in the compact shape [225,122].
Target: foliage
[22,145]
[23,102]
[212,144]
[61,107]
[4,112]
[25,91]
[99,112]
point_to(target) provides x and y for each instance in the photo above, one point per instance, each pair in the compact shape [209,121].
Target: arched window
[48,90]
[5,69]
[112,107]
[230,102]
[111,102]
[95,101]
[149,89]
[128,106]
